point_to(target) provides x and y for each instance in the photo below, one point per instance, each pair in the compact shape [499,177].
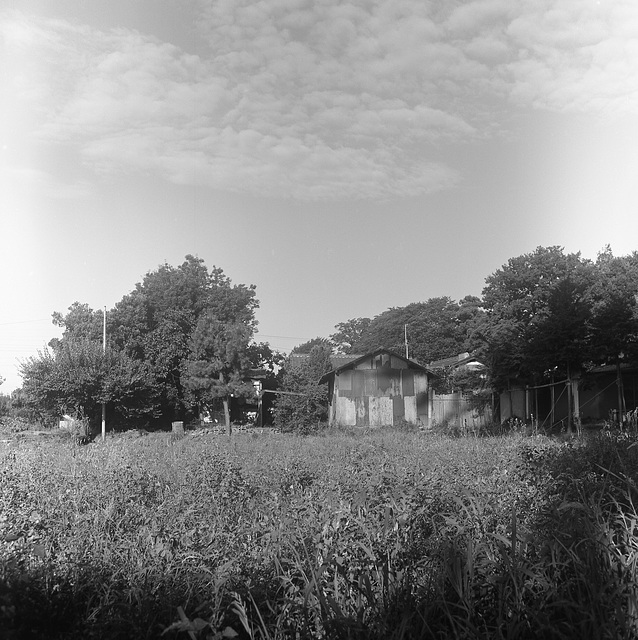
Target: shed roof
[353,361]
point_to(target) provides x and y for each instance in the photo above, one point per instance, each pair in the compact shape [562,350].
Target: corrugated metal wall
[455,409]
[368,396]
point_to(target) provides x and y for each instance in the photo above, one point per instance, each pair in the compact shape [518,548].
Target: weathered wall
[457,410]
[370,396]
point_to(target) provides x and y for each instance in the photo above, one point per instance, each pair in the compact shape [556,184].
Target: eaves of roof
[413,364]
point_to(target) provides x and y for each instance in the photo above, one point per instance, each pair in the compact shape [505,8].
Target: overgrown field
[380,536]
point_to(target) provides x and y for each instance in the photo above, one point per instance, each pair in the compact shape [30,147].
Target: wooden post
[576,397]
[620,392]
[569,405]
[229,426]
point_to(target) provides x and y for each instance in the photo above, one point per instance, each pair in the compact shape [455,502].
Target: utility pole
[405,332]
[104,353]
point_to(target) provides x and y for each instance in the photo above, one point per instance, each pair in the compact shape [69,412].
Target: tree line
[543,312]
[183,339]
[543,315]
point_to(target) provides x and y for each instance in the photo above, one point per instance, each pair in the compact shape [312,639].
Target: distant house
[462,360]
[469,407]
[377,389]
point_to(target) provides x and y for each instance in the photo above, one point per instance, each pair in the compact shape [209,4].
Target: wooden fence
[458,410]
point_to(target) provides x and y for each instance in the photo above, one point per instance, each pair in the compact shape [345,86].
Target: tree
[151,331]
[434,330]
[308,346]
[536,316]
[76,377]
[155,323]
[219,362]
[349,335]
[613,325]
[80,321]
[304,405]
[613,322]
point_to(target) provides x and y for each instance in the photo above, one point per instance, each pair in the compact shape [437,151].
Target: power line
[5,324]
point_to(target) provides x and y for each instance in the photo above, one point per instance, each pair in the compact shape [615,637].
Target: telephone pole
[405,332]
[104,353]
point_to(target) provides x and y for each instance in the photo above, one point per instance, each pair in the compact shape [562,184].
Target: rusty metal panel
[397,363]
[421,392]
[384,383]
[380,410]
[365,364]
[345,384]
[407,382]
[370,383]
[398,410]
[386,412]
[373,411]
[345,380]
[381,361]
[358,383]
[362,418]
[409,403]
[395,383]
[346,412]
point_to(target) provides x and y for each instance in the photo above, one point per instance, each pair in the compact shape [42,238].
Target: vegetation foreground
[380,535]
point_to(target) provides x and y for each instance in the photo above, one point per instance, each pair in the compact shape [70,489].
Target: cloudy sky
[343,156]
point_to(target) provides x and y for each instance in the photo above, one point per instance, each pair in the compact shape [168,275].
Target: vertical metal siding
[379,396]
[407,382]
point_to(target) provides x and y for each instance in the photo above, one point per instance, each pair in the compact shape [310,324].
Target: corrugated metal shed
[378,388]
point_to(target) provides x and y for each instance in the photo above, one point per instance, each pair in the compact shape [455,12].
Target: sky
[345,156]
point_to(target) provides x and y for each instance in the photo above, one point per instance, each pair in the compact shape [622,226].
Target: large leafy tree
[151,330]
[436,328]
[76,377]
[613,322]
[309,345]
[349,335]
[536,316]
[156,322]
[219,363]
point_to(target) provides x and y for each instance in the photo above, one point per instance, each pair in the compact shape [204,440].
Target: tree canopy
[158,337]
[304,404]
[436,328]
[183,338]
[552,313]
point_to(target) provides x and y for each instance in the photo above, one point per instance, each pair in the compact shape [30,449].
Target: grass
[384,534]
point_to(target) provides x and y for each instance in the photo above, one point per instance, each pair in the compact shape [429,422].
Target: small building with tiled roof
[455,362]
[380,388]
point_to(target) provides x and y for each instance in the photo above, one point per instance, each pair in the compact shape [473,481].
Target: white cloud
[317,99]
[576,55]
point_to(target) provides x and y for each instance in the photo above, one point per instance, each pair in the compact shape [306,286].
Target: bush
[303,408]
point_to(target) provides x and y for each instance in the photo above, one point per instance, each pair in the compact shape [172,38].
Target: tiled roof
[336,360]
[339,360]
[454,361]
